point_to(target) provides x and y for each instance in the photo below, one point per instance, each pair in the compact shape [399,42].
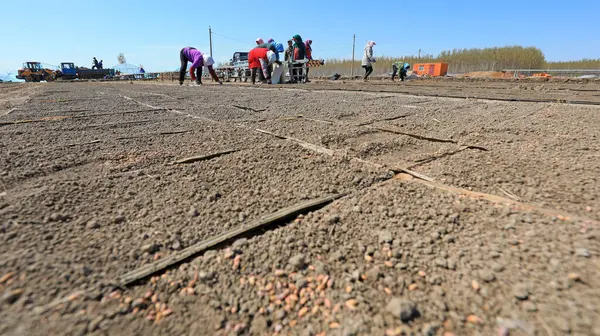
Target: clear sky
[151,32]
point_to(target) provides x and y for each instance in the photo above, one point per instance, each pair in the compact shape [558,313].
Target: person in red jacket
[260,58]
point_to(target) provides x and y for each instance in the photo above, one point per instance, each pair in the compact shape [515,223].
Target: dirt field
[455,216]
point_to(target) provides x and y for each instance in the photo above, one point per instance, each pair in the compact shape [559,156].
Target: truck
[34,72]
[68,70]
[237,67]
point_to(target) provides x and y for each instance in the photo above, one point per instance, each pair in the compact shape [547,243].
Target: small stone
[440,262]
[582,252]
[373,274]
[55,217]
[385,237]
[336,256]
[301,283]
[521,292]
[370,250]
[280,314]
[176,246]
[403,309]
[497,267]
[193,212]
[258,326]
[119,219]
[86,270]
[12,296]
[487,275]
[139,303]
[529,306]
[401,266]
[206,276]
[430,329]
[239,243]
[297,262]
[92,224]
[332,219]
[435,236]
[150,248]
[449,239]
[95,323]
[319,267]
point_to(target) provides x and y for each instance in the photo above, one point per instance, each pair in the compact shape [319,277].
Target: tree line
[464,60]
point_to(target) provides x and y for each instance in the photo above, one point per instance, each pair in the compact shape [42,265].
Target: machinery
[237,68]
[34,72]
[68,70]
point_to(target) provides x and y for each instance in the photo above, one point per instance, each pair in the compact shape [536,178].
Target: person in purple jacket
[198,60]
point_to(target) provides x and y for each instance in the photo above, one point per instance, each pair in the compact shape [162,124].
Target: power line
[231,38]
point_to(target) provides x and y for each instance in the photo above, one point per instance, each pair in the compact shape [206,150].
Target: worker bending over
[274,47]
[198,60]
[402,67]
[260,58]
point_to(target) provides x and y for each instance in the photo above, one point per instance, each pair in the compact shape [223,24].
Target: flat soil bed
[475,214]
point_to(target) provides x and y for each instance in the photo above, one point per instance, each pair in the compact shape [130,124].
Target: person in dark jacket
[100,64]
[402,68]
[94,63]
[299,54]
[289,52]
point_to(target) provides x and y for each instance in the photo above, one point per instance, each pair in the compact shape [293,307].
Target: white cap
[271,57]
[208,61]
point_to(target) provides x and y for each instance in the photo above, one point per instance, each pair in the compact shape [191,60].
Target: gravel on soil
[90,191]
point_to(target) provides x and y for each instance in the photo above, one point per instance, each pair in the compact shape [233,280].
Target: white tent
[127,68]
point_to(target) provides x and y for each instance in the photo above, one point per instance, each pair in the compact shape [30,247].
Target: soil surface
[459,216]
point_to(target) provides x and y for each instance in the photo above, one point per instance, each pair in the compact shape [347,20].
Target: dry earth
[460,216]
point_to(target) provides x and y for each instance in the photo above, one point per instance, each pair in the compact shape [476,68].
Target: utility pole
[353,46]
[210,39]
[419,53]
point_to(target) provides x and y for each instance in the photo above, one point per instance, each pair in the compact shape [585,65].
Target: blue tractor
[68,70]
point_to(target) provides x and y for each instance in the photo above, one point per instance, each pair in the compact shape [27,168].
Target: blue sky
[152,32]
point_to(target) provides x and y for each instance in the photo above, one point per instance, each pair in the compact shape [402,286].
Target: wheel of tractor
[29,78]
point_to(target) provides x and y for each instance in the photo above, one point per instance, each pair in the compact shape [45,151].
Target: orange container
[431,69]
